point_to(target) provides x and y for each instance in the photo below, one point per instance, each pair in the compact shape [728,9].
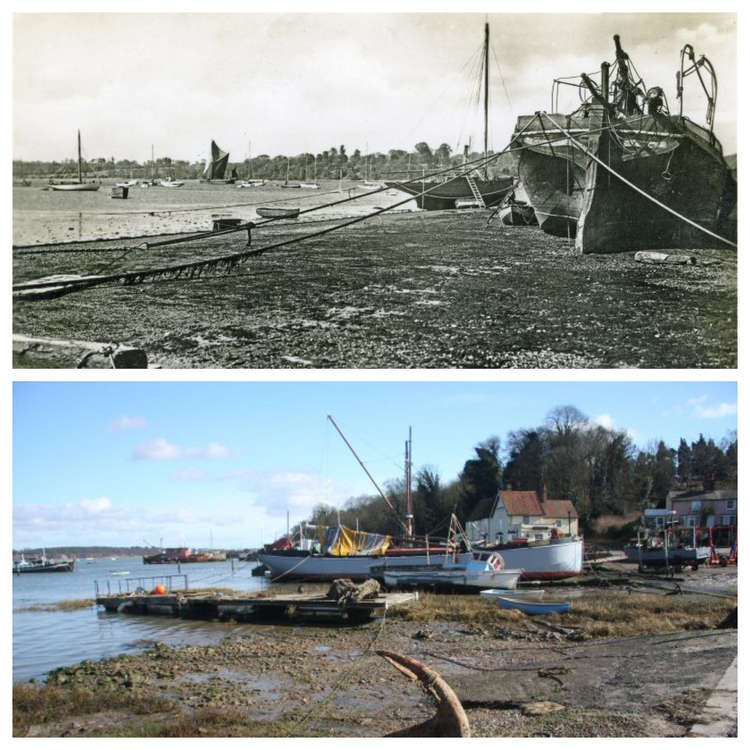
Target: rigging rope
[637,189]
[230,261]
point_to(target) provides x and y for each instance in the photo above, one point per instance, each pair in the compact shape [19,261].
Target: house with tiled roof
[521,514]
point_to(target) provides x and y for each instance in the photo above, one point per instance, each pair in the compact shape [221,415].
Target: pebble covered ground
[426,290]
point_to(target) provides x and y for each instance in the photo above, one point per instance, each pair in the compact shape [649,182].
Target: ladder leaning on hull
[475,191]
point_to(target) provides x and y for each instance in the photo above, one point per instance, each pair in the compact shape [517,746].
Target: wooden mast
[407,472]
[486,91]
[80,180]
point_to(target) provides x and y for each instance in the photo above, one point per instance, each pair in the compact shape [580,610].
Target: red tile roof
[559,509]
[521,502]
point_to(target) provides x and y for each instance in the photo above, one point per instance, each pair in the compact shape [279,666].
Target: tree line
[330,163]
[599,469]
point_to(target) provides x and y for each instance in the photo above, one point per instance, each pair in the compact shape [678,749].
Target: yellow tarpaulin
[350,542]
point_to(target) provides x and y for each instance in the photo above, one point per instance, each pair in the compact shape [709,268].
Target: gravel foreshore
[438,289]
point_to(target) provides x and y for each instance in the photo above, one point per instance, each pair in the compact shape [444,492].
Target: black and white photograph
[417,190]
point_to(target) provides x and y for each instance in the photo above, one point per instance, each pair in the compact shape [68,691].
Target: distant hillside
[81,552]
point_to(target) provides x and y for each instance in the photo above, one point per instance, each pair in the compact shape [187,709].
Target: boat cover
[343,542]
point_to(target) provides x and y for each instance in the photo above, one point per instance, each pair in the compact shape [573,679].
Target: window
[558,523]
[688,521]
[695,505]
[526,519]
[730,504]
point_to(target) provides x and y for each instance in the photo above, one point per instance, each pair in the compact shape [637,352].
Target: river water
[43,216]
[43,640]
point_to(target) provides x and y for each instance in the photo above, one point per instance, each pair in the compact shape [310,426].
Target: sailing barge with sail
[481,190]
[623,173]
[216,168]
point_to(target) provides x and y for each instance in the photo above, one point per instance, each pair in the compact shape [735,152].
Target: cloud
[128,423]
[605,420]
[157,449]
[702,409]
[160,449]
[297,492]
[98,505]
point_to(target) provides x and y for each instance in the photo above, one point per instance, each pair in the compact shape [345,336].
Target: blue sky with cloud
[117,463]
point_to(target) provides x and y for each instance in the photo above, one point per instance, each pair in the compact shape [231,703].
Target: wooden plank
[36,352]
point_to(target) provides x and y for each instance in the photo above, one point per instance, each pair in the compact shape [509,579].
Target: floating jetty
[200,606]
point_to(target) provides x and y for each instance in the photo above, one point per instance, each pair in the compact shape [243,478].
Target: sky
[125,463]
[295,82]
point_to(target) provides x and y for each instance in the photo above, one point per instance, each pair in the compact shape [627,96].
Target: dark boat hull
[58,567]
[444,195]
[668,158]
[277,213]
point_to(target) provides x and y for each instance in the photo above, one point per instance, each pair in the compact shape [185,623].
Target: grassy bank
[602,615]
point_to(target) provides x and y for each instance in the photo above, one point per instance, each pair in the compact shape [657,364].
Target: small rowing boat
[277,212]
[530,594]
[532,607]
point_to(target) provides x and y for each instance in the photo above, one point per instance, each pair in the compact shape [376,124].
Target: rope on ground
[196,268]
[339,684]
[231,261]
[637,189]
[476,164]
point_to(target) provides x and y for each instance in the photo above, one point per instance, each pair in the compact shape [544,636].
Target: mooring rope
[230,261]
[639,190]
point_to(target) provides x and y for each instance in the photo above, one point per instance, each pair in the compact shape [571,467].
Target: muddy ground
[279,679]
[427,290]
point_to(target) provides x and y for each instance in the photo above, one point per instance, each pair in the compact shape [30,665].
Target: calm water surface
[45,640]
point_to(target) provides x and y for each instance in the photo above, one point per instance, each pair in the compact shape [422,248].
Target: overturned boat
[623,173]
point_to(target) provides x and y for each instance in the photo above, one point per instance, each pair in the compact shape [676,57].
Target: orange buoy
[160,589]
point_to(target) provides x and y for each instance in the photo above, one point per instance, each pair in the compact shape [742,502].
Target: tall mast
[486,89]
[407,473]
[364,468]
[79,158]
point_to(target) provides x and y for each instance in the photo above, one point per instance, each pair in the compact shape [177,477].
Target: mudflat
[621,663]
[438,289]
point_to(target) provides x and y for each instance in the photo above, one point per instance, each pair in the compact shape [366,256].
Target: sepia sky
[306,82]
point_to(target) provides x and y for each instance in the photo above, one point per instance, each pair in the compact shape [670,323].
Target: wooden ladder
[475,191]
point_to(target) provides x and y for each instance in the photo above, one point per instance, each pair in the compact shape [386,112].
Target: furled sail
[216,168]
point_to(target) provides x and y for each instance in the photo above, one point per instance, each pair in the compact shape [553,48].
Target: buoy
[160,589]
